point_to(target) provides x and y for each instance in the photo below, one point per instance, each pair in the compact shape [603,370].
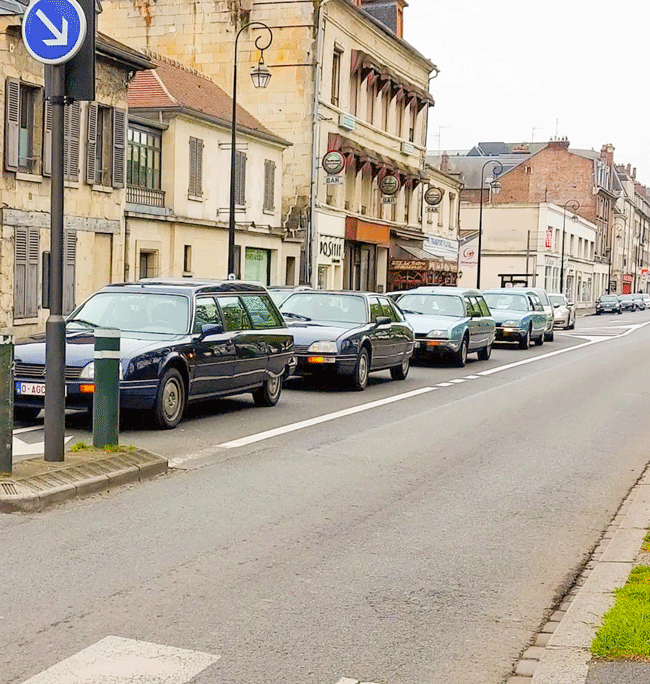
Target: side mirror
[382,320]
[556,305]
[476,314]
[571,303]
[208,329]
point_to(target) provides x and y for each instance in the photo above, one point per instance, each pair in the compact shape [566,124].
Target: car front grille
[37,371]
[300,348]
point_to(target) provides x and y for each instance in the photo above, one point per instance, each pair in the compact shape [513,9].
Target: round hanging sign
[333,162]
[433,196]
[389,185]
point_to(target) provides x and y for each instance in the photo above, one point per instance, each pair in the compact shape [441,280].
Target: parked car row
[611,303]
[188,340]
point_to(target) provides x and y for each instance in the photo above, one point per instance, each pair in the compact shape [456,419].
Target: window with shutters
[195,188]
[269,185]
[106,146]
[69,270]
[336,76]
[23,126]
[240,178]
[26,253]
[72,133]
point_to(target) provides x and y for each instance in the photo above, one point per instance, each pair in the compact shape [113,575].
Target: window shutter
[91,150]
[20,271]
[12,123]
[32,274]
[269,185]
[69,269]
[72,133]
[192,181]
[199,168]
[47,139]
[240,190]
[119,145]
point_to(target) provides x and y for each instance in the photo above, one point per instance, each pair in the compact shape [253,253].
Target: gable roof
[174,87]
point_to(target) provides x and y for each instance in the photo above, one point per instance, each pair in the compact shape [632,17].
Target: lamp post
[261,76]
[615,236]
[574,206]
[496,187]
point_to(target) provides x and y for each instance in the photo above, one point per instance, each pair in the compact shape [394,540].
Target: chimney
[558,144]
[444,162]
[390,13]
[607,154]
[634,173]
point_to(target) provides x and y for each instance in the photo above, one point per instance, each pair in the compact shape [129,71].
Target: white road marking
[444,384]
[114,660]
[471,377]
[457,381]
[18,431]
[267,434]
[20,448]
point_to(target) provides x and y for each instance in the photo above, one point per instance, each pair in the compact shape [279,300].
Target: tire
[460,357]
[620,311]
[269,393]
[598,313]
[26,414]
[549,337]
[540,340]
[485,353]
[571,326]
[359,378]
[170,402]
[400,372]
[525,343]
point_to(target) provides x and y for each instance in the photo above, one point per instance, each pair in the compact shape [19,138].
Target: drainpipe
[312,242]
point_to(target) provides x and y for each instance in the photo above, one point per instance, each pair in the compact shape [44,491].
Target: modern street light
[261,76]
[574,205]
[495,187]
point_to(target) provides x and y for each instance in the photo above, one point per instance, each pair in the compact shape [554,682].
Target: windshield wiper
[412,312]
[300,317]
[83,322]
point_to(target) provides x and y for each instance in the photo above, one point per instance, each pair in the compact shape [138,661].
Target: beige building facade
[341,81]
[94,180]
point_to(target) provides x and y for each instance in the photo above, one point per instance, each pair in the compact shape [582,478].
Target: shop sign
[389,200]
[441,247]
[412,265]
[333,162]
[433,196]
[548,240]
[330,247]
[333,180]
[468,257]
[389,185]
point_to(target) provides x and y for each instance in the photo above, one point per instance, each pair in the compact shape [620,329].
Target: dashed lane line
[458,381]
[443,384]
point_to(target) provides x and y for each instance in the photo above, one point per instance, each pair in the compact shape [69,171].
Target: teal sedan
[448,320]
[519,315]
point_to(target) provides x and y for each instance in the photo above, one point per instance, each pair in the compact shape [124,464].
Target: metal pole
[480,235]
[233,165]
[562,257]
[7,403]
[55,325]
[106,400]
[527,255]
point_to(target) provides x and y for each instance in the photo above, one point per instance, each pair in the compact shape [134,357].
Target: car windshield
[506,302]
[325,307]
[278,296]
[637,296]
[609,298]
[134,312]
[432,304]
[557,299]
[627,297]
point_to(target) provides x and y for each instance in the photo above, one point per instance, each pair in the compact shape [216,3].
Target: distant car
[639,301]
[451,320]
[280,292]
[181,340]
[565,312]
[518,314]
[646,299]
[548,310]
[627,302]
[608,303]
[349,334]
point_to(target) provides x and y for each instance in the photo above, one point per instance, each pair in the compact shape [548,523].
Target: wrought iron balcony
[146,196]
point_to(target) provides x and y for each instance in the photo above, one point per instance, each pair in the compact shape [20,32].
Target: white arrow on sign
[61,37]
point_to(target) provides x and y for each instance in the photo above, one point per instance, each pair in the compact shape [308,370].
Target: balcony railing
[146,196]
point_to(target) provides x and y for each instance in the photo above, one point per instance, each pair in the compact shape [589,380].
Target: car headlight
[88,372]
[511,324]
[438,333]
[323,348]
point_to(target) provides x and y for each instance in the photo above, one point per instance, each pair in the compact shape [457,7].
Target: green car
[519,315]
[448,320]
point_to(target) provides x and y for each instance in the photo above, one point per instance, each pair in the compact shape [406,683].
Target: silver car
[548,310]
[564,310]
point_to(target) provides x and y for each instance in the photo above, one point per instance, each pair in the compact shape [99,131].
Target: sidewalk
[562,651]
[36,484]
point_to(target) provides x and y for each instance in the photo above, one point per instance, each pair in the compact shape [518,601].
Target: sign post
[53,32]
[6,402]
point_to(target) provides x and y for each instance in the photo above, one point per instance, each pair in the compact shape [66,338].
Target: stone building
[94,178]
[178,183]
[344,80]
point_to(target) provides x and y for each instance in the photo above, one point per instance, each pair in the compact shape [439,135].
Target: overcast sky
[574,67]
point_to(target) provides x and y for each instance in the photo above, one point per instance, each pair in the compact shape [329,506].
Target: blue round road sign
[54,30]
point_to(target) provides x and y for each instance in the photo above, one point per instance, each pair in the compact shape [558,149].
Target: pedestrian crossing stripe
[115,660]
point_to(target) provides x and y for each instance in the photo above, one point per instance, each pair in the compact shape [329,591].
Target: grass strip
[625,632]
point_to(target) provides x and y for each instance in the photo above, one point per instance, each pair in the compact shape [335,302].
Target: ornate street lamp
[496,188]
[615,237]
[260,76]
[574,205]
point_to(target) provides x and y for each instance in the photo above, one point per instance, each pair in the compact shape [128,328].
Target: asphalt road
[417,536]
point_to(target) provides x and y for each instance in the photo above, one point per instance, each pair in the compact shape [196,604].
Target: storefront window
[257,265]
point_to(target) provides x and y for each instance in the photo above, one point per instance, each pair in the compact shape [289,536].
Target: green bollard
[106,401]
[6,402]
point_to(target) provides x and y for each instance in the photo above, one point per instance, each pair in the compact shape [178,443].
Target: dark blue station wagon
[181,341]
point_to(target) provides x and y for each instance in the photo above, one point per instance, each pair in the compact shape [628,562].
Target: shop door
[363,273]
[257,265]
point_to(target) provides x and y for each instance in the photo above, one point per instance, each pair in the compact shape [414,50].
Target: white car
[548,310]
[564,310]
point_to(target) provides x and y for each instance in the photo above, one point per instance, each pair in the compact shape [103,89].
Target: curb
[561,654]
[84,476]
